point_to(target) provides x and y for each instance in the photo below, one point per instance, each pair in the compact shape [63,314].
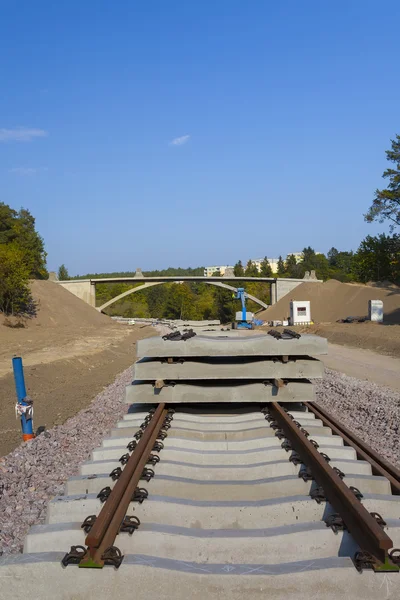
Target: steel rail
[362,526]
[107,525]
[379,465]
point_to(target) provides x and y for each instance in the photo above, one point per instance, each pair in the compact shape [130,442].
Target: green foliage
[292,269]
[63,273]
[281,267]
[378,259]
[251,270]
[15,296]
[19,228]
[266,270]
[386,204]
[22,257]
[238,270]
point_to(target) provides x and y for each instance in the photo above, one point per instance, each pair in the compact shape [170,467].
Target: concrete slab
[265,487]
[191,544]
[293,391]
[216,435]
[153,577]
[226,456]
[219,368]
[275,511]
[276,544]
[237,418]
[177,423]
[255,345]
[184,443]
[224,472]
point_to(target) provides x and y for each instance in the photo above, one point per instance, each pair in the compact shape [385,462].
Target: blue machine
[243,322]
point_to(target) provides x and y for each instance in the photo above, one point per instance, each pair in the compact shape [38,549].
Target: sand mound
[57,307]
[334,300]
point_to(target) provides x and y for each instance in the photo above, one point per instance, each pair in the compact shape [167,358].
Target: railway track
[269,499]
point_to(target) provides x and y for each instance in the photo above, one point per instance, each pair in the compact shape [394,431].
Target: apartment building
[220,270]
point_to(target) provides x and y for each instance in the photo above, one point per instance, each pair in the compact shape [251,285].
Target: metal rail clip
[104,493]
[74,556]
[147,474]
[115,473]
[139,495]
[124,458]
[129,524]
[335,522]
[88,523]
[318,494]
[356,492]
[132,445]
[153,459]
[113,557]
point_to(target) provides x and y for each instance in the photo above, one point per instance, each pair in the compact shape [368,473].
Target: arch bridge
[85,289]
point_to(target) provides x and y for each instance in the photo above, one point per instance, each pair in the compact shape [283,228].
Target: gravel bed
[35,472]
[370,410]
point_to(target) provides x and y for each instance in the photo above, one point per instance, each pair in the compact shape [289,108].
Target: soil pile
[334,300]
[57,307]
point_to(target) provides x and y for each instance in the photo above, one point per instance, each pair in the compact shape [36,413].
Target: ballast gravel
[371,411]
[36,471]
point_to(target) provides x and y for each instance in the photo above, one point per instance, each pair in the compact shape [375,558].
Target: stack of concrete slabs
[226,368]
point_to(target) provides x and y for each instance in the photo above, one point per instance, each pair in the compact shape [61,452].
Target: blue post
[26,424]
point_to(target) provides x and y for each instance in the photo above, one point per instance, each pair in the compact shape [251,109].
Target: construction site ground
[71,352]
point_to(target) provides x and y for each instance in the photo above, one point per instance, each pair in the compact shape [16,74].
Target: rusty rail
[379,465]
[362,525]
[101,537]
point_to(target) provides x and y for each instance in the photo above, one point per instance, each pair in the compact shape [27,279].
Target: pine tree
[386,204]
[266,270]
[281,266]
[251,270]
[238,270]
[63,274]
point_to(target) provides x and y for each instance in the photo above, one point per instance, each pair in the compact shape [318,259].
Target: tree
[292,268]
[63,274]
[19,228]
[224,305]
[266,270]
[281,267]
[333,257]
[386,204]
[238,270]
[378,259]
[251,269]
[15,295]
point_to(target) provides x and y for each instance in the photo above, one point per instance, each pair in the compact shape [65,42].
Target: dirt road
[364,364]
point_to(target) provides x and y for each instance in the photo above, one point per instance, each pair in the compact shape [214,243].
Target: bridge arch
[151,283]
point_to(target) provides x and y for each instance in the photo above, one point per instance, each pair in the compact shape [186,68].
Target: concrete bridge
[85,289]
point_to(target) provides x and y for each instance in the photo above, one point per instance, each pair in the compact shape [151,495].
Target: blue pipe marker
[26,423]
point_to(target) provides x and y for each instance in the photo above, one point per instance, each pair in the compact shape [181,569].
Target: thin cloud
[24,171]
[21,134]
[179,141]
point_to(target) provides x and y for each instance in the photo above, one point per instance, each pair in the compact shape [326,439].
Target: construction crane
[244,318]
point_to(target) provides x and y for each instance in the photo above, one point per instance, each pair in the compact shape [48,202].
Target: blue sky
[281,113]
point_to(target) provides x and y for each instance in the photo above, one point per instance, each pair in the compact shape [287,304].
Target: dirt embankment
[334,300]
[70,353]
